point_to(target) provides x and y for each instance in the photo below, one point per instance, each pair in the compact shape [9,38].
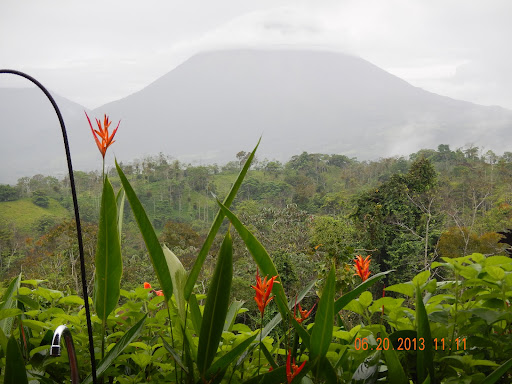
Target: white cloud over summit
[99,51]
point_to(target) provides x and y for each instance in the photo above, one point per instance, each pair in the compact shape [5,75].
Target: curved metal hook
[77,214]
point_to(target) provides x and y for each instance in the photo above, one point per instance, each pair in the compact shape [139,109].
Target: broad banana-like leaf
[15,372]
[321,333]
[179,278]
[216,307]
[109,264]
[156,254]
[425,357]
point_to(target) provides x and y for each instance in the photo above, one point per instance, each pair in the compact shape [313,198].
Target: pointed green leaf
[234,307]
[178,277]
[195,313]
[327,371]
[174,355]
[15,372]
[498,372]
[109,265]
[268,355]
[120,198]
[156,253]
[396,373]
[321,333]
[425,357]
[348,297]
[8,302]
[10,312]
[216,307]
[123,342]
[260,256]
[194,273]
[3,341]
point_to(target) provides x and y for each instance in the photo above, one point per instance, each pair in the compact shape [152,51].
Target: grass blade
[216,307]
[123,342]
[156,253]
[109,265]
[194,273]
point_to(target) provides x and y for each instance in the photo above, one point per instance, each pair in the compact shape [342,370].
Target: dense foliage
[439,313]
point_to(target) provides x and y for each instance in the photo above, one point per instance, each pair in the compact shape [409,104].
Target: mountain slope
[219,103]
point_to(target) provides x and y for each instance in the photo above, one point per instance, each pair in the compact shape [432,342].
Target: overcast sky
[97,51]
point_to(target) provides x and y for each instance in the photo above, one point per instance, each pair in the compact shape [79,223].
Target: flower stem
[259,349]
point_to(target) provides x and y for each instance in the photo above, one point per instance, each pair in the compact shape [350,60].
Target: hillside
[24,215]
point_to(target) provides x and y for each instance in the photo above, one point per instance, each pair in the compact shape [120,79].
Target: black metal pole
[77,214]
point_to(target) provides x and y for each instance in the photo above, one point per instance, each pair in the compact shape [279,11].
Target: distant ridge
[218,103]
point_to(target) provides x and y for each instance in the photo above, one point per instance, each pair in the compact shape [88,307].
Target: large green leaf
[9,302]
[260,256]
[179,277]
[498,372]
[15,372]
[195,313]
[123,342]
[194,273]
[156,253]
[216,307]
[321,333]
[174,355]
[109,264]
[425,357]
[348,297]
[396,373]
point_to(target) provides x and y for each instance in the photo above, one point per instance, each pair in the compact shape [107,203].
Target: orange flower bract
[102,133]
[292,369]
[263,289]
[362,267]
[304,314]
[147,285]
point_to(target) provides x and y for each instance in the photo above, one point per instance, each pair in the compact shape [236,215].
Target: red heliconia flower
[292,369]
[304,314]
[263,289]
[102,133]
[362,267]
[147,285]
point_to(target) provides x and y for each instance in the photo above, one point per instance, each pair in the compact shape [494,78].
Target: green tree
[40,199]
